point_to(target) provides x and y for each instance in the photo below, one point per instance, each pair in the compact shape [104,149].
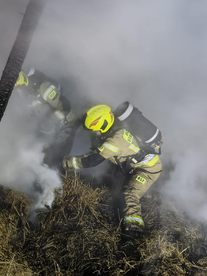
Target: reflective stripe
[131,219]
[153,137]
[134,161]
[126,113]
[110,147]
[150,160]
[134,148]
[76,164]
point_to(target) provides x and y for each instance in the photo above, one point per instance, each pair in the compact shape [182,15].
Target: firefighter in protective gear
[120,147]
[47,91]
[51,109]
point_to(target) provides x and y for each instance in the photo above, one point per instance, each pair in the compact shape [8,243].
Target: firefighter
[47,91]
[120,144]
[52,110]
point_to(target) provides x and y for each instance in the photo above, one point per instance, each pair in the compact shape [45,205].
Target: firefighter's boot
[133,225]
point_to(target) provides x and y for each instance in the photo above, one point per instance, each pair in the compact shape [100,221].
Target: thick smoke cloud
[152,53]
[22,152]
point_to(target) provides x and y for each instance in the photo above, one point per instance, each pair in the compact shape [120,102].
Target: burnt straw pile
[80,235]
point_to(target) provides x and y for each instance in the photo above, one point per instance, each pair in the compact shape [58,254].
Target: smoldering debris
[13,217]
[79,235]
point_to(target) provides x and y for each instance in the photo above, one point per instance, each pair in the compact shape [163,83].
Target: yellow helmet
[22,79]
[99,118]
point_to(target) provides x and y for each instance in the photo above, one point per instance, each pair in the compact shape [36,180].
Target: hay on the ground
[80,235]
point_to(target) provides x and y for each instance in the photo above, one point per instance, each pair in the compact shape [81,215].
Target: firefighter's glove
[72,163]
[22,80]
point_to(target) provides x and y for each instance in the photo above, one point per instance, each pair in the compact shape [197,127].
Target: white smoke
[22,152]
[152,53]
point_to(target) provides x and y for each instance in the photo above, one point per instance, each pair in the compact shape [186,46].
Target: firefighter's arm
[107,150]
[83,161]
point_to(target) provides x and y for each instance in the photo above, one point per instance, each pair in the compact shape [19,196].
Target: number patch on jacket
[141,179]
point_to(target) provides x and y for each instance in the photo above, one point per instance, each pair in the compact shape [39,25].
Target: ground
[80,235]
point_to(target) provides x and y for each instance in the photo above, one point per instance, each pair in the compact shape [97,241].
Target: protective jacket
[135,152]
[121,148]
